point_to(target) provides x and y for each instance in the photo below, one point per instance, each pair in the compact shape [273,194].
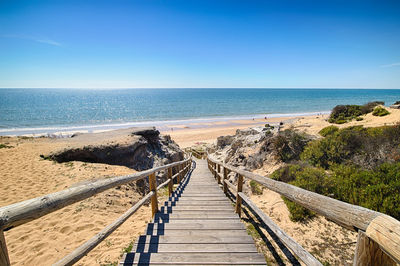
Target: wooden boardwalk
[196,226]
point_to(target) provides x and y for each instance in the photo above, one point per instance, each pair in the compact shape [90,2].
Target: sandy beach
[24,175]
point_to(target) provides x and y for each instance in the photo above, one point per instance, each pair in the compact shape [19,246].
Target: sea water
[25,111]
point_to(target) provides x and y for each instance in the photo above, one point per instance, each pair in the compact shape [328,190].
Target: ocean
[38,111]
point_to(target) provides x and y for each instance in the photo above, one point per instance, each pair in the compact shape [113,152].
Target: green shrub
[377,189]
[256,188]
[297,212]
[287,173]
[344,113]
[328,130]
[359,118]
[369,107]
[289,145]
[380,111]
[366,147]
[309,178]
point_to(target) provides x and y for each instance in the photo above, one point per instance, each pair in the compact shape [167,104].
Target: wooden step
[201,237]
[180,207]
[197,247]
[199,203]
[193,258]
[195,215]
[198,233]
[195,225]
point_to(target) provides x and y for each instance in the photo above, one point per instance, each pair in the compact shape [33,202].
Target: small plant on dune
[256,188]
[4,146]
[128,248]
[328,130]
[380,111]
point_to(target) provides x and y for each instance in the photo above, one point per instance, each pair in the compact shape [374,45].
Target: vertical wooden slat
[368,252]
[178,178]
[223,180]
[4,259]
[238,207]
[214,166]
[171,182]
[153,187]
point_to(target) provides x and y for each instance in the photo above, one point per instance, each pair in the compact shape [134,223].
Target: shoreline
[163,126]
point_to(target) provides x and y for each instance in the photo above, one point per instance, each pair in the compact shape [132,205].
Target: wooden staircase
[197,225]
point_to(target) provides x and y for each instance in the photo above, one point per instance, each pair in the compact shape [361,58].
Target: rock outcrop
[141,149]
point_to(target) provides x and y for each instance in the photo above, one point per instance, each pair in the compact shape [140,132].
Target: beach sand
[25,175]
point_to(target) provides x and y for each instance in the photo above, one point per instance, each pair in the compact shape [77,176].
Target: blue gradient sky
[140,44]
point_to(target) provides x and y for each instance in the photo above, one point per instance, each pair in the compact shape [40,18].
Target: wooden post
[153,187]
[171,182]
[179,174]
[4,259]
[238,207]
[218,168]
[368,252]
[223,180]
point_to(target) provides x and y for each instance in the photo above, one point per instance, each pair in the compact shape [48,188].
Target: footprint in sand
[65,229]
[84,227]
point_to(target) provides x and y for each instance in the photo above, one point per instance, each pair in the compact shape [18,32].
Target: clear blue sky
[168,43]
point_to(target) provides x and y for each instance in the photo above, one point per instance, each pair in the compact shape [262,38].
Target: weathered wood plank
[171,183]
[230,185]
[153,188]
[385,230]
[197,203]
[198,215]
[227,238]
[369,253]
[81,251]
[222,212]
[196,225]
[298,250]
[183,198]
[199,233]
[195,258]
[179,207]
[4,259]
[238,207]
[196,247]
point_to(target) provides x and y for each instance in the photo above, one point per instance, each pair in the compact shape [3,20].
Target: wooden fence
[22,212]
[378,234]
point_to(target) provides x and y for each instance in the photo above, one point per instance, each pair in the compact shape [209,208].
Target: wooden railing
[22,212]
[378,240]
[198,154]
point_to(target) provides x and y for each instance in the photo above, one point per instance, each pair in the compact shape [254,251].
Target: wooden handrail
[379,227]
[345,214]
[22,212]
[28,210]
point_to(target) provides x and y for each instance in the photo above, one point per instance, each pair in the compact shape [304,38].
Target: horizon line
[131,88]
